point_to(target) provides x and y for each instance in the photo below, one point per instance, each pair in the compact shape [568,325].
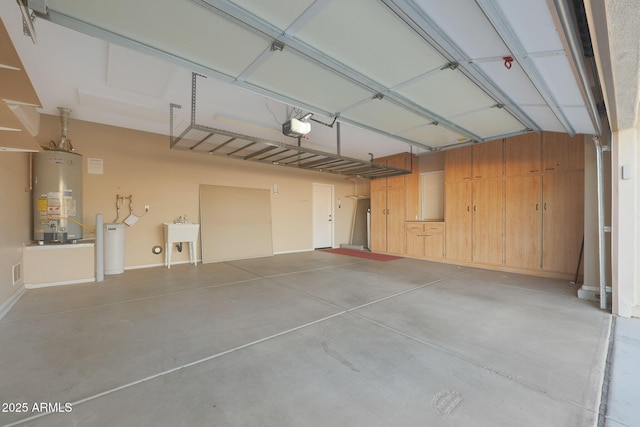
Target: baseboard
[160,264]
[62,283]
[6,306]
[293,252]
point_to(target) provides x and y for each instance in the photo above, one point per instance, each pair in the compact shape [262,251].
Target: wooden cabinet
[378,220]
[415,239]
[474,218]
[562,220]
[544,221]
[480,161]
[387,221]
[488,160]
[523,154]
[400,160]
[425,239]
[560,152]
[396,216]
[526,204]
[393,201]
[458,165]
[458,220]
[487,239]
[523,221]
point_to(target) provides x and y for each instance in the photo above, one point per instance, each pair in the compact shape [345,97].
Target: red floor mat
[362,254]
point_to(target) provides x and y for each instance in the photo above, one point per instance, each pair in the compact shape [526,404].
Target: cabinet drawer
[415,227]
[434,227]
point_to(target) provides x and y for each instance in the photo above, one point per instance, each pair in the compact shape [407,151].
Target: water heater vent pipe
[64,144]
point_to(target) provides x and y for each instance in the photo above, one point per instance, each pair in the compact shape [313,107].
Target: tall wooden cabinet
[523,201]
[562,220]
[394,200]
[473,203]
[458,219]
[487,239]
[523,221]
[529,218]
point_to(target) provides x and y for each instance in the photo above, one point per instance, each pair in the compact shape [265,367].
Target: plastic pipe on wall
[99,248]
[601,225]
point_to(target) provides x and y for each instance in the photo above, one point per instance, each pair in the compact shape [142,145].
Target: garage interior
[406,212]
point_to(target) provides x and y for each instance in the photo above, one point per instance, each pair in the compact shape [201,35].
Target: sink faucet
[179,220]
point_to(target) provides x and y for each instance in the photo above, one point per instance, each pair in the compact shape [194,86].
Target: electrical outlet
[146,208]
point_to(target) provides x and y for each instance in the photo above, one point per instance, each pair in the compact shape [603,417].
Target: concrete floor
[623,379]
[307,339]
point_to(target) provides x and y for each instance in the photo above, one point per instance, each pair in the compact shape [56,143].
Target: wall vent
[16,274]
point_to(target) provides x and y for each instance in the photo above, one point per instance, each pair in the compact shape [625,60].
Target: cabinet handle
[478,176]
[549,169]
[384,211]
[536,206]
[545,206]
[475,208]
[468,208]
[387,211]
[534,170]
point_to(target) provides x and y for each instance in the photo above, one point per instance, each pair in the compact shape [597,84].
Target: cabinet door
[487,160]
[488,221]
[560,152]
[457,164]
[399,161]
[379,220]
[378,184]
[415,239]
[523,221]
[562,220]
[458,220]
[413,189]
[396,215]
[523,154]
[433,245]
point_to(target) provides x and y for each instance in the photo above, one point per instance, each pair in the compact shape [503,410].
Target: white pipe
[99,248]
[601,225]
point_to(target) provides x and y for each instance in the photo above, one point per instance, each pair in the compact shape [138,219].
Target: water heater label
[69,207]
[56,160]
[54,204]
[42,204]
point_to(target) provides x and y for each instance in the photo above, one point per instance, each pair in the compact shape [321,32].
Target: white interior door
[322,216]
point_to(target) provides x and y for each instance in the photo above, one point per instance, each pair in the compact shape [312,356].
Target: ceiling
[398,74]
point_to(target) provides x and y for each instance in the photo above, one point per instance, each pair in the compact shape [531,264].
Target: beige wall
[142,165]
[625,224]
[15,217]
[432,162]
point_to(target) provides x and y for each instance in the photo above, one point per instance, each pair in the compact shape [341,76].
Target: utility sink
[178,233]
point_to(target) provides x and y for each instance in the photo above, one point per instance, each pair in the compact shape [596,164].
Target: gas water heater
[57,190]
